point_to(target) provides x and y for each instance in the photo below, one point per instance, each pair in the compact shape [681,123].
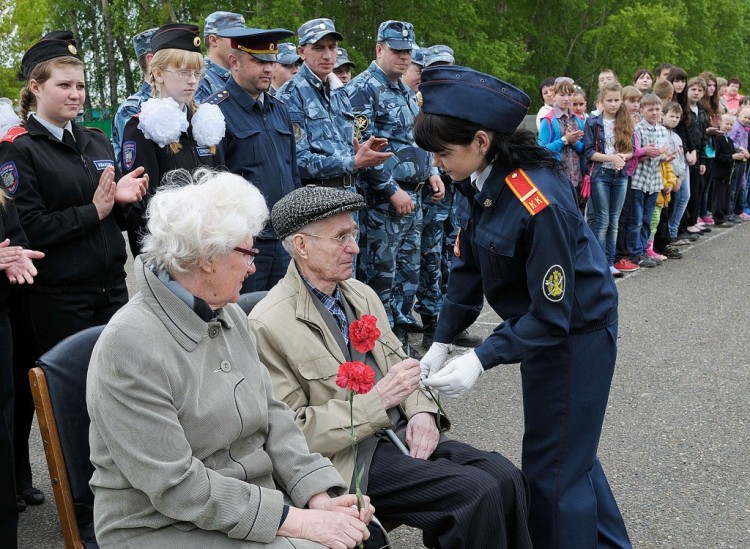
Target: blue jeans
[639,220]
[607,197]
[680,200]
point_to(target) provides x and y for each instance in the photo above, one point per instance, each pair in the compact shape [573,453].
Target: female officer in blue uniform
[524,247]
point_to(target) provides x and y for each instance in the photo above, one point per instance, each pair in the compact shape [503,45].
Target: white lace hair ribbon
[209,125]
[162,121]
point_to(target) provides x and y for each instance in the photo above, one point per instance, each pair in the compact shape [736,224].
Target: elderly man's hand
[401,380]
[422,435]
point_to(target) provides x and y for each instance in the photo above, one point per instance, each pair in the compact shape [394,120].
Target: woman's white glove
[458,376]
[434,360]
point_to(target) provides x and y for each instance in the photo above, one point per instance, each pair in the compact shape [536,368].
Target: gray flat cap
[308,204]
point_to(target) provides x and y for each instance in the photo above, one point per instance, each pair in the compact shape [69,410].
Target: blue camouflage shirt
[384,108]
[129,107]
[214,80]
[323,126]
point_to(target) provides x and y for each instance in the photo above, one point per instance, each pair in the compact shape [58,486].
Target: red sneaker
[626,266]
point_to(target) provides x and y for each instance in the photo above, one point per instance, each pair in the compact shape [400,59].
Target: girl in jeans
[608,145]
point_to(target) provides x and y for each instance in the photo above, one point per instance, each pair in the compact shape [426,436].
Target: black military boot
[465,339]
[402,333]
[429,324]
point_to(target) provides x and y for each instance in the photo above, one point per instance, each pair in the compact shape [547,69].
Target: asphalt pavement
[676,439]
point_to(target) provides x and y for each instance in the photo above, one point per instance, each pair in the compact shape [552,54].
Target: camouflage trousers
[429,292]
[451,233]
[389,259]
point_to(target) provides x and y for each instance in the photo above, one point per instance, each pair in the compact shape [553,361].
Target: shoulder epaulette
[94,129]
[217,98]
[12,134]
[525,190]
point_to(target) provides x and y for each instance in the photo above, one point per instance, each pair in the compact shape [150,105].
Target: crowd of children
[657,164]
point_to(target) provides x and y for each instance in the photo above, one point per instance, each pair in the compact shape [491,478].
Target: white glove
[434,360]
[458,376]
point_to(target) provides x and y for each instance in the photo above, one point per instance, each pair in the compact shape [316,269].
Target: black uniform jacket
[52,185]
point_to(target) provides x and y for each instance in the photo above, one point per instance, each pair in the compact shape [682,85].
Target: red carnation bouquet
[364,333]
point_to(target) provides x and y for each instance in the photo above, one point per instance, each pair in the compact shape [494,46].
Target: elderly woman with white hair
[191,448]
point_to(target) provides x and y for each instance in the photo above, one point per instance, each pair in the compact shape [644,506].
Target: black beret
[452,90]
[308,204]
[52,45]
[177,36]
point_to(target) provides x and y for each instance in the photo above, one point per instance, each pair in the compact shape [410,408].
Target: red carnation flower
[363,333]
[355,376]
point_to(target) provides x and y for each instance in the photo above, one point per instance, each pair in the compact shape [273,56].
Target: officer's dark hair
[41,73]
[432,132]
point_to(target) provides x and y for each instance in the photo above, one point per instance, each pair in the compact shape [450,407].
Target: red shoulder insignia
[13,133]
[525,190]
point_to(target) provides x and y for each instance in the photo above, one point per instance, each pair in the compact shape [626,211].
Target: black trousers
[40,321]
[8,511]
[460,497]
[722,191]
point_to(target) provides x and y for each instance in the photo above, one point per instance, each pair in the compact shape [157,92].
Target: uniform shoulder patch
[526,191]
[14,133]
[553,285]
[297,129]
[361,123]
[217,98]
[9,177]
[128,155]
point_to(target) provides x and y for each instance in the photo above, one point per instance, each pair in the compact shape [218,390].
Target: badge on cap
[419,99]
[322,26]
[404,33]
[72,49]
[197,41]
[553,285]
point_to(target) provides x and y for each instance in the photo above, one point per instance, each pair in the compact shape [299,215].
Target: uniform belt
[410,186]
[346,181]
[597,325]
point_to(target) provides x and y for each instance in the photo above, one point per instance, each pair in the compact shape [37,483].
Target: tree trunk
[130,84]
[110,43]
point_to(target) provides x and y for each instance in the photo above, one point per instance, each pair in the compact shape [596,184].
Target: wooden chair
[58,385]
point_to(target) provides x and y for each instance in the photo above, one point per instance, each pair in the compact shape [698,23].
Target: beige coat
[191,449]
[303,357]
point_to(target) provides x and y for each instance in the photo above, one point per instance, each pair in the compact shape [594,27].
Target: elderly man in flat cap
[458,495]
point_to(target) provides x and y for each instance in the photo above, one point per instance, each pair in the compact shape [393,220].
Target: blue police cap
[342,58]
[399,35]
[142,42]
[452,90]
[438,54]
[222,20]
[417,56]
[261,44]
[315,29]
[288,54]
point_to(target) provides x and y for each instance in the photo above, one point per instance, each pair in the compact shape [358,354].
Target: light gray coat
[190,446]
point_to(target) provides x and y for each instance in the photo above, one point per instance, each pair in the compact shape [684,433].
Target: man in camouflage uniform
[321,115]
[216,64]
[288,62]
[385,107]
[342,68]
[437,225]
[413,75]
[132,105]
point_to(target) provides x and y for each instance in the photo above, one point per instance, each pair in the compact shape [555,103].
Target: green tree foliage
[521,41]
